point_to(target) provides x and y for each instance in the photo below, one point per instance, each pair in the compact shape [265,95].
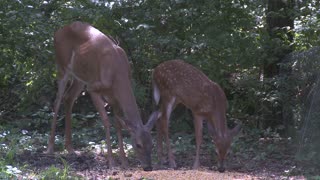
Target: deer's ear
[152,119]
[235,130]
[122,122]
[212,131]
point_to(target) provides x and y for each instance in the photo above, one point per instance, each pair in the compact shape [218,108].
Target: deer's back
[188,84]
[89,54]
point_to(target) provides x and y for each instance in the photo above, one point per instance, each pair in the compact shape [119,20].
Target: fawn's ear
[152,120]
[235,130]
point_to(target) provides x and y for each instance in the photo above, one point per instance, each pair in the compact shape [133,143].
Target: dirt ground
[92,165]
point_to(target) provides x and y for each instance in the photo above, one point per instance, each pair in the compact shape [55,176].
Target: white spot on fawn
[156,93]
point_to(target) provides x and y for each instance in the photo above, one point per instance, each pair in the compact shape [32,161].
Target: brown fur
[92,59]
[179,82]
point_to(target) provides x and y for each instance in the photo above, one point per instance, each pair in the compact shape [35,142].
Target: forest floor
[253,155]
[270,159]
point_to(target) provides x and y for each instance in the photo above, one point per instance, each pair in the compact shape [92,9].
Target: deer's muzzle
[221,167]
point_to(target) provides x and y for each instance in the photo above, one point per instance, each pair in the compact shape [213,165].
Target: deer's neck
[220,124]
[219,113]
[132,115]
[129,106]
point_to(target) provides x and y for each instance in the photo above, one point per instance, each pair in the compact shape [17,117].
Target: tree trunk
[280,23]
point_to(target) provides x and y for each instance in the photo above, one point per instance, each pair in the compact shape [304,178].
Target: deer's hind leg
[69,99]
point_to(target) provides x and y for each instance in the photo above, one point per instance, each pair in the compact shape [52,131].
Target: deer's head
[142,141]
[223,142]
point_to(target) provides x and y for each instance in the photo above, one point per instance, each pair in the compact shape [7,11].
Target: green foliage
[8,151]
[227,40]
[25,51]
[184,143]
[307,25]
[8,172]
[161,31]
[315,177]
[55,173]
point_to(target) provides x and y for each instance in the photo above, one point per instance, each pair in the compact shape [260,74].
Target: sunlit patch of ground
[182,174]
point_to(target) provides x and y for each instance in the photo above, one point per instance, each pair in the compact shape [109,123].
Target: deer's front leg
[119,127]
[160,133]
[99,104]
[198,133]
[166,109]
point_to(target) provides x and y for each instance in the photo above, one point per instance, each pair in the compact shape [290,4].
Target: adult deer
[177,82]
[92,60]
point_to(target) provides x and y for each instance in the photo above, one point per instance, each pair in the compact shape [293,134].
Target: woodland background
[264,54]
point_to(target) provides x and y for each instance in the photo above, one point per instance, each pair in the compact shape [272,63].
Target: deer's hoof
[49,151]
[173,165]
[221,169]
[196,166]
[70,150]
[124,164]
[149,168]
